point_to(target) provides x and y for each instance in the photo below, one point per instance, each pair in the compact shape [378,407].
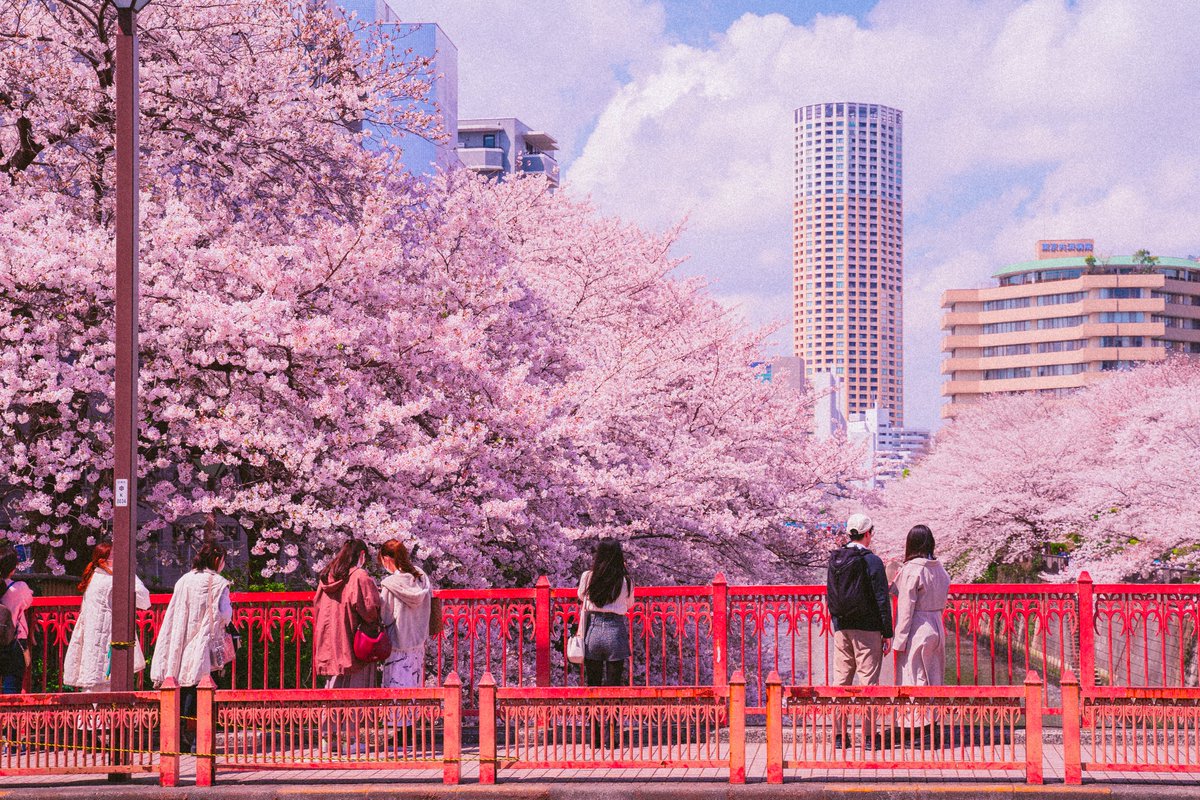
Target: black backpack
[849,593]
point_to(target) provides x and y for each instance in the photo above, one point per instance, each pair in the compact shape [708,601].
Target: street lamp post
[125,437]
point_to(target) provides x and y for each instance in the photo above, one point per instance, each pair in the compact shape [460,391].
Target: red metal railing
[1129,729]
[342,729]
[105,732]
[1120,634]
[905,727]
[614,728]
[819,729]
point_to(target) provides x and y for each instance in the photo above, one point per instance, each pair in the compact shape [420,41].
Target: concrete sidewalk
[590,789]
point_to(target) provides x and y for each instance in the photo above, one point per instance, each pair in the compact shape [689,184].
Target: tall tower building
[847,252]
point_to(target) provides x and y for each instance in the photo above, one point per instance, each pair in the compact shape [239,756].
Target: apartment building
[1066,319]
[506,146]
[847,245]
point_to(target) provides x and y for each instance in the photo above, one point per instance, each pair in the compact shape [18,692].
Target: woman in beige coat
[921,588]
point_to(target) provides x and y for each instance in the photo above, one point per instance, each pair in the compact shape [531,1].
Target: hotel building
[847,252]
[1066,320]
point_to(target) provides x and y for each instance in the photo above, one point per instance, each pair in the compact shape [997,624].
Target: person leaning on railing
[88,663]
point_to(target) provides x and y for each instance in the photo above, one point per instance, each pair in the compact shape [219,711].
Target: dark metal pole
[125,408]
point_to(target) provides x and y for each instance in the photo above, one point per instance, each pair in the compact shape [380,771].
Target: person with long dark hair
[407,596]
[346,599]
[88,663]
[192,641]
[921,587]
[606,592]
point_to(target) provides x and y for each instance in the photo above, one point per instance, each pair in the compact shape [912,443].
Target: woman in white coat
[88,662]
[193,629]
[407,596]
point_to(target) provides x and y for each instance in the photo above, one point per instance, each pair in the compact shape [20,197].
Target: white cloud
[552,63]
[1023,120]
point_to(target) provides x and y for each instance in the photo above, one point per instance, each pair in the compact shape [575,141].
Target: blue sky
[1024,120]
[695,22]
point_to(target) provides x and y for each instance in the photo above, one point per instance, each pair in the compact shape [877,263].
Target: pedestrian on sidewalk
[346,599]
[406,595]
[860,606]
[88,663]
[192,641]
[16,597]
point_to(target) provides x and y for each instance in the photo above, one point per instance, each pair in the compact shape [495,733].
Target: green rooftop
[1079,262]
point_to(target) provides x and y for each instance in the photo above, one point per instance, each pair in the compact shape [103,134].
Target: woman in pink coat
[346,599]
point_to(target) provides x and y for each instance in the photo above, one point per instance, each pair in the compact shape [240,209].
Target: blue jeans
[14,681]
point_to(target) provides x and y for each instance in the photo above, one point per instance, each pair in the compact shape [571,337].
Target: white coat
[181,651]
[922,587]
[406,601]
[87,661]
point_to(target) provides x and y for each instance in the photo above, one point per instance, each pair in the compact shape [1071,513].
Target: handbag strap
[210,614]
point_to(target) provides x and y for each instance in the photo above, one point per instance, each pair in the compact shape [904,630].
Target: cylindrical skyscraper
[847,252]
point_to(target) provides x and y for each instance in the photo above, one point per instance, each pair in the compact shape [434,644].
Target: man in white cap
[859,606]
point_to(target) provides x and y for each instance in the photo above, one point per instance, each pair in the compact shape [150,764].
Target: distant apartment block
[1065,320]
[425,39]
[889,450]
[848,252]
[506,146]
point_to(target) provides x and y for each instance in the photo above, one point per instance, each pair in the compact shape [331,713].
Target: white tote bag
[575,652]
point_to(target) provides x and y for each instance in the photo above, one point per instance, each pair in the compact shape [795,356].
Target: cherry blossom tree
[331,348]
[1107,473]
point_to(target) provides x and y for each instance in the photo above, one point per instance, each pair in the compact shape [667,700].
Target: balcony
[543,163]
[487,160]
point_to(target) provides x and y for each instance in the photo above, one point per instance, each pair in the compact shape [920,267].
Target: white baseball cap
[859,524]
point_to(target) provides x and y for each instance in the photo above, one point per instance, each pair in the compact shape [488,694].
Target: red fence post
[1033,728]
[774,728]
[1071,721]
[720,630]
[1087,631]
[206,740]
[487,729]
[737,728]
[541,630]
[168,735]
[452,730]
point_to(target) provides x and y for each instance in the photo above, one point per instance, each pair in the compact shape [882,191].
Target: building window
[1061,347]
[1003,374]
[1006,350]
[1121,341]
[489,140]
[1005,327]
[1059,322]
[1002,305]
[1122,316]
[1059,299]
[1060,369]
[1120,293]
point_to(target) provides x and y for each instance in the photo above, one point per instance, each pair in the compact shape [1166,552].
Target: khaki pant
[857,653]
